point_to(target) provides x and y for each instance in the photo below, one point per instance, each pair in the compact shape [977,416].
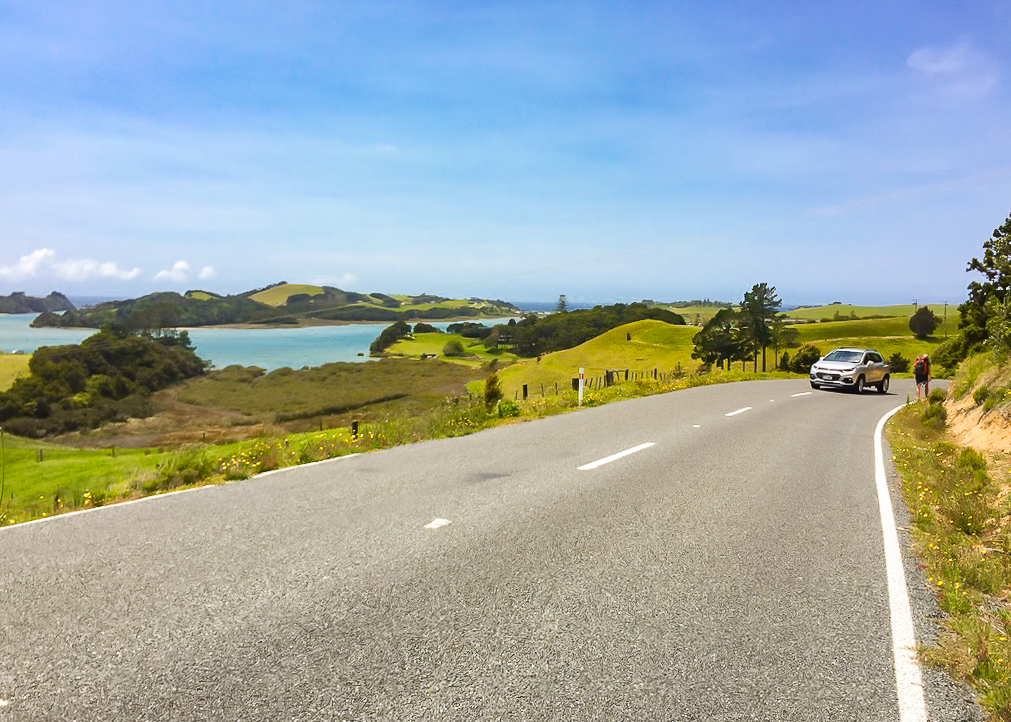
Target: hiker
[926,381]
[921,374]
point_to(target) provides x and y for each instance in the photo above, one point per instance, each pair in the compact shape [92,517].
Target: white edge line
[437,523]
[739,411]
[614,457]
[908,680]
[152,497]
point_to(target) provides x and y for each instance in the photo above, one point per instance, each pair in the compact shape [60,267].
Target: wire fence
[609,378]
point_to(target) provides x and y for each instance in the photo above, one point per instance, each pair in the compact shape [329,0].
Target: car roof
[854,348]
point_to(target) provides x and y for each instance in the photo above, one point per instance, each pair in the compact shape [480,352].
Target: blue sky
[855,152]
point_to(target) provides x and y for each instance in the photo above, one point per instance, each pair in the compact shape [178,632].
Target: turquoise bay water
[269,348]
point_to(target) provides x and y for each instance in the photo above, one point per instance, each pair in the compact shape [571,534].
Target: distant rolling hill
[282,303]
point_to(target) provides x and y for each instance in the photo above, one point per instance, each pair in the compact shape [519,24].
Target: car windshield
[851,357]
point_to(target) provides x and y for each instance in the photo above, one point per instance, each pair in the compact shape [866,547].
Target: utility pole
[946,319]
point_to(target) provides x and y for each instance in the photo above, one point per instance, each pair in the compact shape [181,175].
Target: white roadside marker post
[581,379]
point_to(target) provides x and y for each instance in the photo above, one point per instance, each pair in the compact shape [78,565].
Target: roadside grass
[960,525]
[12,365]
[41,480]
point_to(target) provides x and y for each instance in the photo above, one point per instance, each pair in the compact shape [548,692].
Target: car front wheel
[814,385]
[859,387]
[883,386]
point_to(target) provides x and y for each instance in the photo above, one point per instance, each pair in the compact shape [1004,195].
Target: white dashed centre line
[437,523]
[805,393]
[739,411]
[614,457]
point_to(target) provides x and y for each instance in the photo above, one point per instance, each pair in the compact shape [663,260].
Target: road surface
[711,554]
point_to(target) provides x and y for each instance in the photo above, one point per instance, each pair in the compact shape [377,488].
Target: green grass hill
[654,345]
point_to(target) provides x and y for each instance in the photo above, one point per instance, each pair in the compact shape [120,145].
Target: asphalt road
[733,570]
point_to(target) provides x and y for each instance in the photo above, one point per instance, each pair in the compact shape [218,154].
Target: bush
[934,416]
[980,395]
[492,391]
[936,396]
[425,328]
[924,322]
[453,349]
[507,409]
[898,363]
[802,360]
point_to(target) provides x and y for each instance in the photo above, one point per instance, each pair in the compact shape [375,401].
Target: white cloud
[85,268]
[44,262]
[941,61]
[179,273]
[29,265]
[207,273]
[963,68]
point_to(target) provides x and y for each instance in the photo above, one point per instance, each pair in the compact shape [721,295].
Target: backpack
[920,368]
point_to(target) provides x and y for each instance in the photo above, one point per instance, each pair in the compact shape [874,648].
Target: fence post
[354,429]
[524,392]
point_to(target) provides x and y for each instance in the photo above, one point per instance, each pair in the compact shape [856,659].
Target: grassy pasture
[692,313]
[12,365]
[278,295]
[433,343]
[654,344]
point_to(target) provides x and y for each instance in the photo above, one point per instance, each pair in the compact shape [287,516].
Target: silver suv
[851,368]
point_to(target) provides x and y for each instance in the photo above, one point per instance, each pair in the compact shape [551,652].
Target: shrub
[996,397]
[970,460]
[507,409]
[805,356]
[980,395]
[423,327]
[453,349]
[934,416]
[936,396]
[492,391]
[898,363]
[924,322]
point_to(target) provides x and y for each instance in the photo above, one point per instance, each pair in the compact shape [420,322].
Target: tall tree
[759,309]
[563,304]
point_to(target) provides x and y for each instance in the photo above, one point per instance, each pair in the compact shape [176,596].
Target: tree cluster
[985,318]
[108,376]
[535,335]
[738,335]
[389,336]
